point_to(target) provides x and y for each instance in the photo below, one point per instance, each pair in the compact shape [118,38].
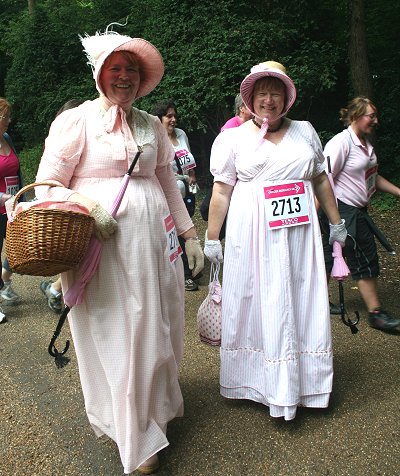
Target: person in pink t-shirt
[242,114]
[10,183]
[355,173]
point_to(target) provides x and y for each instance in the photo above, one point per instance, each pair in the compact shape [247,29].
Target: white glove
[104,224]
[213,251]
[337,233]
[194,255]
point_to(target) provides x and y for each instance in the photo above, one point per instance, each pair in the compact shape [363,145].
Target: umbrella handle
[60,359]
[352,324]
[328,161]
[347,321]
[135,159]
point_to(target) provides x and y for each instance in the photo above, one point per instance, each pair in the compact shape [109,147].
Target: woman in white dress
[128,331]
[276,340]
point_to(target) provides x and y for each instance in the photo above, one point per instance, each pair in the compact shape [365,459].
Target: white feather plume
[94,46]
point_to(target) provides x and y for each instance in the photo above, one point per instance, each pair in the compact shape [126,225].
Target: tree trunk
[31,6]
[359,66]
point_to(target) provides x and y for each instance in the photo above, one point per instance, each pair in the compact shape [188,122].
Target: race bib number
[370,180]
[286,205]
[12,185]
[186,160]
[173,246]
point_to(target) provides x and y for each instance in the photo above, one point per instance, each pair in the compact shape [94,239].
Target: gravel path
[44,429]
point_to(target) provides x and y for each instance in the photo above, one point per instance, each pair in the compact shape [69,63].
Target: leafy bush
[383,201]
[29,159]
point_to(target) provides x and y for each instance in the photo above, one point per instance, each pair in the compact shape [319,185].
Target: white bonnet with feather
[99,46]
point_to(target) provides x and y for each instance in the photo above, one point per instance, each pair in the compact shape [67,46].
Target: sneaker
[54,302]
[190,285]
[3,318]
[334,309]
[380,319]
[9,294]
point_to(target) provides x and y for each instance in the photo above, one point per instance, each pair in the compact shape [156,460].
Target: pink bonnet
[262,70]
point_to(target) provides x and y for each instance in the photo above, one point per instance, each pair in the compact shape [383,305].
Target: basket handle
[28,187]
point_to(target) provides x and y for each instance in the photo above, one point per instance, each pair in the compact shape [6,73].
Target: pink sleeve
[63,150]
[222,159]
[166,177]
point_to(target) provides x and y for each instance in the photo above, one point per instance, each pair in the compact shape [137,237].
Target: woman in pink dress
[128,331]
[276,340]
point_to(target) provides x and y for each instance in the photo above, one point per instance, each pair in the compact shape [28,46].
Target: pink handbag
[209,315]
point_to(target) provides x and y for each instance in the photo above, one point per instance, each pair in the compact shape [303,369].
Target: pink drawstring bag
[209,315]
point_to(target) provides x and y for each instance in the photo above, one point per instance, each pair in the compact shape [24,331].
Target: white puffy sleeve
[222,159]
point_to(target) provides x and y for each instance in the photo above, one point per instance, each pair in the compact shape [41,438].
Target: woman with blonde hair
[355,173]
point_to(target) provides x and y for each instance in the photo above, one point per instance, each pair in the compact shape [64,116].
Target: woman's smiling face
[366,123]
[120,78]
[269,98]
[169,120]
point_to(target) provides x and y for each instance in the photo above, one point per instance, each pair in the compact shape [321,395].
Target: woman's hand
[338,233]
[104,224]
[213,251]
[192,177]
[194,255]
[184,178]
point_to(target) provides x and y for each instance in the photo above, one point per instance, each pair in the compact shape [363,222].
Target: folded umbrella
[87,268]
[340,269]
[379,235]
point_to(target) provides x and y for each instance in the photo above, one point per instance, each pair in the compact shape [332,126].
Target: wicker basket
[46,242]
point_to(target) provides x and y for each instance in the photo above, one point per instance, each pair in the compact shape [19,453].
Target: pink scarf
[114,120]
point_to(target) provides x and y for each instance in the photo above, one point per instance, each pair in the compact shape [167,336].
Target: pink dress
[276,340]
[128,332]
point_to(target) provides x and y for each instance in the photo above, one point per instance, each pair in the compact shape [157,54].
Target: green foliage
[46,68]
[208,47]
[29,160]
[214,48]
[385,69]
[383,201]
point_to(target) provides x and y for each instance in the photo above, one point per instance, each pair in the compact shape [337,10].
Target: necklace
[270,130]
